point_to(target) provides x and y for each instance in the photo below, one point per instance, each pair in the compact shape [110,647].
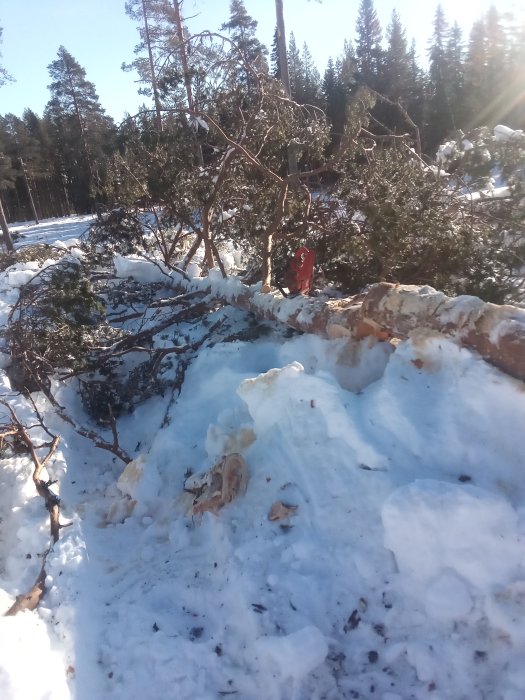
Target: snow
[401,573]
[505,133]
[65,230]
[140,269]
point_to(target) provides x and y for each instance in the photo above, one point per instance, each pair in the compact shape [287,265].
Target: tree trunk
[29,192]
[186,72]
[389,311]
[158,116]
[6,236]
[285,75]
[268,238]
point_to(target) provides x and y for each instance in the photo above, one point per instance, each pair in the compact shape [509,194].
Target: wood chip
[280,511]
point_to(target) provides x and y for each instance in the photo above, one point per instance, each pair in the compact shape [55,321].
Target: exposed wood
[388,311]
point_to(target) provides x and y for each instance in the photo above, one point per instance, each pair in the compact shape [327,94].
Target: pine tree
[39,157]
[242,27]
[147,13]
[368,45]
[81,131]
[25,156]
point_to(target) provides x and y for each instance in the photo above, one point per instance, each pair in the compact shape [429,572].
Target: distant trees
[81,132]
[6,236]
[369,53]
[73,156]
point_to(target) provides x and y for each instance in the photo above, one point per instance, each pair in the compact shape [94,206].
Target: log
[387,311]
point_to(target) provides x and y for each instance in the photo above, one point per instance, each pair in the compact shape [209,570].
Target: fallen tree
[387,311]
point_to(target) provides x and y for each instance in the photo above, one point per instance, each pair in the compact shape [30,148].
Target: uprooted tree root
[15,430]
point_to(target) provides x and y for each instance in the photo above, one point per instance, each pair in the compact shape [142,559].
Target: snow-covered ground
[400,575]
[51,230]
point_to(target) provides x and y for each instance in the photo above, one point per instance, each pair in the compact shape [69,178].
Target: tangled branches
[55,321]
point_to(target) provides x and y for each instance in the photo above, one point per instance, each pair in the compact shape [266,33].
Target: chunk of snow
[505,133]
[141,270]
[294,655]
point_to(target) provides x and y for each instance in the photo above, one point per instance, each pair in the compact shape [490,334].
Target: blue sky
[100,36]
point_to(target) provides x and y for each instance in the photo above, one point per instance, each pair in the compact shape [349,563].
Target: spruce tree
[369,53]
[475,62]
[334,101]
[416,98]
[339,84]
[310,80]
[397,69]
[497,68]
[396,79]
[275,67]
[440,116]
[294,67]
[455,67]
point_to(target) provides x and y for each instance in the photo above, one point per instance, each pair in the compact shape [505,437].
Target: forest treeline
[73,158]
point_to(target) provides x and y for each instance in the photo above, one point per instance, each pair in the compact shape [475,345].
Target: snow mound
[432,526]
